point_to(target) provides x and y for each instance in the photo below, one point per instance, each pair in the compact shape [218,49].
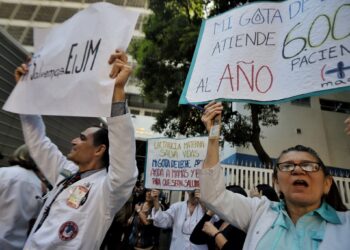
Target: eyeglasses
[306,166]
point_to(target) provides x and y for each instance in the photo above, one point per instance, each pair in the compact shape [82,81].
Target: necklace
[187,226]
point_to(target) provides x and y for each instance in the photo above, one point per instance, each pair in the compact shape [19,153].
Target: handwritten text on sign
[268,52]
[69,73]
[174,163]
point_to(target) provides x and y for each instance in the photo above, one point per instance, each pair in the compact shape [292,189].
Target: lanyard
[66,183]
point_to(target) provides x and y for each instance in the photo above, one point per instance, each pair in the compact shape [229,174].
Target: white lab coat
[108,192]
[178,218]
[255,216]
[20,192]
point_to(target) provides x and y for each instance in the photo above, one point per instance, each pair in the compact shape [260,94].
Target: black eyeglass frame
[303,165]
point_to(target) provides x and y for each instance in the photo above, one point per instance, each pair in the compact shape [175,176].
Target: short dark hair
[334,199]
[268,191]
[101,138]
[142,196]
[237,189]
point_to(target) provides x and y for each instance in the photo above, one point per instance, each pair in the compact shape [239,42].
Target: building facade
[317,122]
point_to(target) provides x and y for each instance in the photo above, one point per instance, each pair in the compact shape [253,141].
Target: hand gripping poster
[69,72]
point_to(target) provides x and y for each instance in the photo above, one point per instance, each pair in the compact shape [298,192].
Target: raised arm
[212,112]
[233,208]
[162,219]
[46,154]
[120,71]
[122,173]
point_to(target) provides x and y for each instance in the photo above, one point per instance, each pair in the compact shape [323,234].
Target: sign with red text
[271,52]
[69,72]
[173,164]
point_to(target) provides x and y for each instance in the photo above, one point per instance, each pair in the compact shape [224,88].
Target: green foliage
[238,128]
[164,57]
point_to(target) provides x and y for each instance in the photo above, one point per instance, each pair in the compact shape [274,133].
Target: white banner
[69,74]
[173,164]
[270,52]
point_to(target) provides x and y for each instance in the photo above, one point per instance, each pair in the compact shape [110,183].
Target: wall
[321,130]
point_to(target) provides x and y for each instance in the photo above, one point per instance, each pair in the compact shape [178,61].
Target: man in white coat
[85,197]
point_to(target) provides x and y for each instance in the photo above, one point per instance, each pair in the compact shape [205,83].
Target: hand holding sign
[121,72]
[212,111]
[197,194]
[20,71]
[155,194]
[69,70]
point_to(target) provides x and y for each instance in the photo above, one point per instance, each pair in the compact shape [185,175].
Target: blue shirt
[306,234]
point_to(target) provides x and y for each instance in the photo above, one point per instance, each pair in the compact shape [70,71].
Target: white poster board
[69,73]
[173,164]
[269,52]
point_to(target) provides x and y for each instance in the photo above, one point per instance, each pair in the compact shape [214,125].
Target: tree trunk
[255,137]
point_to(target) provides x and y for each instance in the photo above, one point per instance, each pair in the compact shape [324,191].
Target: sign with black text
[173,164]
[69,72]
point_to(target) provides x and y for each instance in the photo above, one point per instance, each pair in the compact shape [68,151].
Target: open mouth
[300,183]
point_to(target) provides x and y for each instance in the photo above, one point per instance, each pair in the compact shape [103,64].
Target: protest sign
[174,163]
[269,52]
[69,73]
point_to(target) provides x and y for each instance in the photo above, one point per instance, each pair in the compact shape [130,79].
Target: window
[134,111]
[335,106]
[149,113]
[302,102]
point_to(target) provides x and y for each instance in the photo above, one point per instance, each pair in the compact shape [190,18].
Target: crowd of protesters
[147,214]
[95,201]
[137,225]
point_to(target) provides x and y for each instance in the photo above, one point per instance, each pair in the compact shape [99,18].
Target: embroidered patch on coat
[68,231]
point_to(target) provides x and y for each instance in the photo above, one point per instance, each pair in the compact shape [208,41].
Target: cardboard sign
[271,52]
[69,73]
[173,164]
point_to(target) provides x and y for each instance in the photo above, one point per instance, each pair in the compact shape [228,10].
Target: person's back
[20,203]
